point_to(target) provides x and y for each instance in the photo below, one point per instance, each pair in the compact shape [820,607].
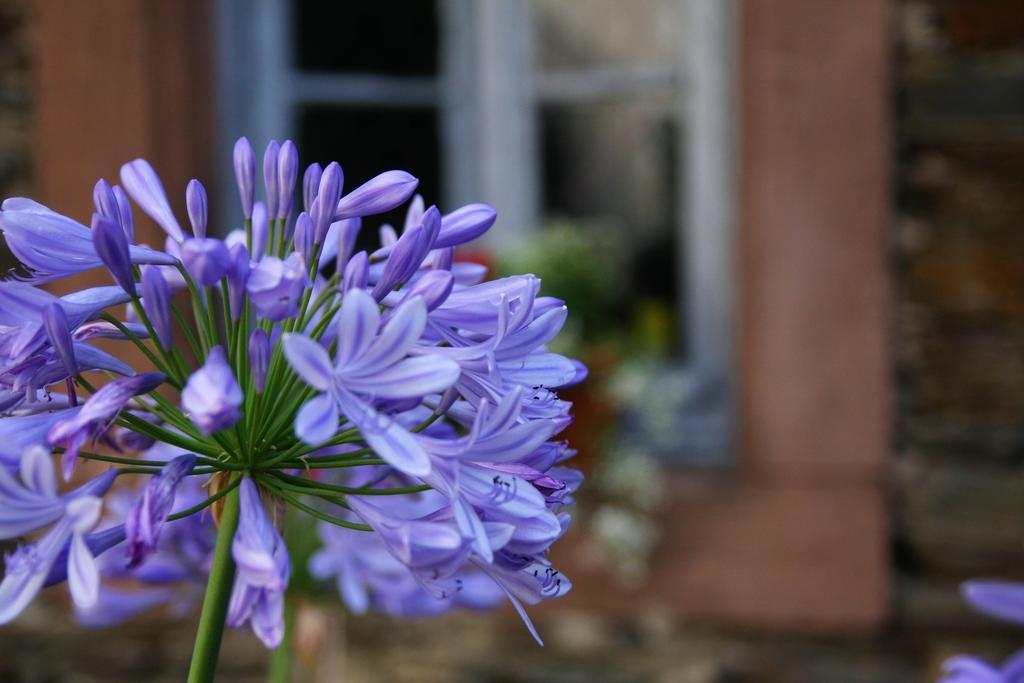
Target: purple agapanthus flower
[53,246]
[390,392]
[212,397]
[97,414]
[965,669]
[275,286]
[1002,600]
[149,513]
[368,575]
[33,503]
[263,570]
[371,362]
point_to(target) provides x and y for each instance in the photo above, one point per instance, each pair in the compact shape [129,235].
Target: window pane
[367,37]
[609,171]
[370,140]
[606,33]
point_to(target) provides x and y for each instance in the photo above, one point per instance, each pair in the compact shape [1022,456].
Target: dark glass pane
[609,171]
[370,140]
[391,37]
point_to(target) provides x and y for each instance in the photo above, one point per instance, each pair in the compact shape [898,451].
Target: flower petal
[542,330]
[400,333]
[1000,599]
[18,434]
[17,590]
[317,420]
[389,439]
[37,472]
[548,370]
[410,378]
[83,574]
[257,547]
[309,360]
[358,321]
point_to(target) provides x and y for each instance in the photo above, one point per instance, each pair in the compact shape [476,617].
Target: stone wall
[959,320]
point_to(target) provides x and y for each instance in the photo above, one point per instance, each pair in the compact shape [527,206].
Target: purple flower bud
[245,174]
[124,212]
[380,194]
[129,440]
[465,225]
[55,321]
[287,173]
[103,199]
[96,415]
[434,286]
[238,276]
[348,233]
[260,230]
[112,247]
[195,204]
[206,259]
[327,197]
[212,397]
[259,357]
[408,253]
[388,239]
[156,301]
[101,329]
[414,214]
[149,513]
[270,177]
[444,258]
[311,185]
[304,236]
[144,186]
[357,270]
[275,286]
[263,570]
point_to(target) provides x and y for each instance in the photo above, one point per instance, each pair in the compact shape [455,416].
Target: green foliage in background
[582,264]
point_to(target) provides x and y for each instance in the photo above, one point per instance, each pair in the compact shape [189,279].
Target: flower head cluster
[391,393]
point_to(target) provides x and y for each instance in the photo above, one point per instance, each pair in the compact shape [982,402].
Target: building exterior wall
[15,103]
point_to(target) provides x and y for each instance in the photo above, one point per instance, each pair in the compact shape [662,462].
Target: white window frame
[488,94]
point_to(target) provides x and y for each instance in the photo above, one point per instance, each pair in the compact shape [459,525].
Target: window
[598,112]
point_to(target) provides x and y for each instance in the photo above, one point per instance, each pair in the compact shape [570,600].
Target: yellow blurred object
[653,330]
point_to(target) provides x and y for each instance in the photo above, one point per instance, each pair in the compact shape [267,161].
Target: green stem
[280,659]
[277,487]
[139,425]
[215,601]
[333,464]
[171,375]
[187,328]
[332,489]
[206,503]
